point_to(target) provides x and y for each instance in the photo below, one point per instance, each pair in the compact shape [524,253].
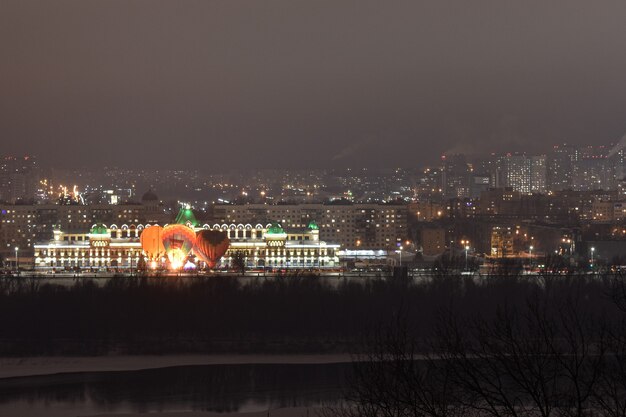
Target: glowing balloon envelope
[210,246]
[152,242]
[178,241]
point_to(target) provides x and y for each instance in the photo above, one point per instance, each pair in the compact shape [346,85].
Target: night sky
[288,83]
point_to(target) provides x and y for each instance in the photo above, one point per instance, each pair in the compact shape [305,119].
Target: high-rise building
[518,172]
[488,167]
[19,177]
[429,185]
[619,166]
[538,174]
[523,173]
[560,166]
[593,173]
[478,184]
[455,176]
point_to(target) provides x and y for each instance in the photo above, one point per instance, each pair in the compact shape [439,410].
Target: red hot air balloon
[178,241]
[210,246]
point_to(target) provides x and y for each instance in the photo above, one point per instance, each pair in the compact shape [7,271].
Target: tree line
[555,346]
[304,314]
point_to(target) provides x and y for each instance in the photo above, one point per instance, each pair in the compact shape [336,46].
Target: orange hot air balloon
[210,246]
[152,242]
[178,241]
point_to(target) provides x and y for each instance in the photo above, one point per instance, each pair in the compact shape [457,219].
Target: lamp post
[400,252]
[319,257]
[466,247]
[451,247]
[530,251]
[356,254]
[17,265]
[592,252]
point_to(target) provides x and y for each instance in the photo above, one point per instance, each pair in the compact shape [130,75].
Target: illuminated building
[538,174]
[501,241]
[427,211]
[429,185]
[497,201]
[603,211]
[119,247]
[99,248]
[18,178]
[559,167]
[526,174]
[608,211]
[619,211]
[455,176]
[376,226]
[478,184]
[510,241]
[23,225]
[593,173]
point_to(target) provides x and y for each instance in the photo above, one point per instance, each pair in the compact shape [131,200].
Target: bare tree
[503,364]
[609,393]
[391,379]
[544,358]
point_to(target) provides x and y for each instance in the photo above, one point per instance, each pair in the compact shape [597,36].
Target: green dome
[185,215]
[275,229]
[99,229]
[313,225]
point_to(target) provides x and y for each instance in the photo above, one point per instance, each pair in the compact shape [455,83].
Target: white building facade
[119,248]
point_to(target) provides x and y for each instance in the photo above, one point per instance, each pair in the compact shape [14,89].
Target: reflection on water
[222,388]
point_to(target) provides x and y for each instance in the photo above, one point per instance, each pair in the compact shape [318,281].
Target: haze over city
[320,84]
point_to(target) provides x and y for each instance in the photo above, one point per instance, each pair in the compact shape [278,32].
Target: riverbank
[49,365]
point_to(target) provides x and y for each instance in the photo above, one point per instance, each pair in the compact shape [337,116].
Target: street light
[531,255]
[17,266]
[592,251]
[400,252]
[465,245]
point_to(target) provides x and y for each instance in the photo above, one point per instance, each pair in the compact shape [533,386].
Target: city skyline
[27,179]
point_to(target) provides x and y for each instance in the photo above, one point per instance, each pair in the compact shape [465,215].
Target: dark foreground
[216,315]
[507,345]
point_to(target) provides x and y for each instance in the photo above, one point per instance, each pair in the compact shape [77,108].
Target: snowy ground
[15,367]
